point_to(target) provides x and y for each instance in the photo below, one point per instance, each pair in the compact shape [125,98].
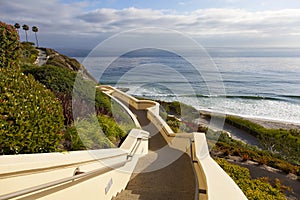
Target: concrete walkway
[158,176]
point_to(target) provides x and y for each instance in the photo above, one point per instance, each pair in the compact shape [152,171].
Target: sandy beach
[267,123]
[273,124]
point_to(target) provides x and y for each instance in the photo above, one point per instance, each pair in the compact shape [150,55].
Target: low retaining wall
[152,108]
[159,122]
[94,174]
[218,183]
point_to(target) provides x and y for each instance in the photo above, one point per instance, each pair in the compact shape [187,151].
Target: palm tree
[26,28]
[35,30]
[17,26]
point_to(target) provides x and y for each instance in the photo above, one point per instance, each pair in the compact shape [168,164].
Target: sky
[82,24]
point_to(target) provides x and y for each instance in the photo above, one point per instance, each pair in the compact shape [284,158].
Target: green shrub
[173,123]
[31,117]
[111,129]
[228,146]
[72,141]
[85,95]
[9,46]
[54,78]
[62,61]
[254,189]
[86,135]
[285,143]
[93,133]
[29,53]
[180,110]
[103,103]
[236,172]
[121,117]
[61,82]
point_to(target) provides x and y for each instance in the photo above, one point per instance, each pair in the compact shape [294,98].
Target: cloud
[74,20]
[200,22]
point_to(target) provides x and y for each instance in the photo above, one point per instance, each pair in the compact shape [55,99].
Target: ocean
[259,83]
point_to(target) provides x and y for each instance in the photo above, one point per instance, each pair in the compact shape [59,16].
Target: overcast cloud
[69,25]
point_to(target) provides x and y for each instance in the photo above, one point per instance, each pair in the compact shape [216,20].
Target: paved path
[42,57]
[235,133]
[157,177]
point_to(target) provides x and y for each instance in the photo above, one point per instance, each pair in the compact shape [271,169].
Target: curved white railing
[93,174]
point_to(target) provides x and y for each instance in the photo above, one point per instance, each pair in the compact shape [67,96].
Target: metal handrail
[61,181]
[134,149]
[39,170]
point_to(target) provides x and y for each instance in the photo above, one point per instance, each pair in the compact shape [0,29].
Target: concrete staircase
[174,181]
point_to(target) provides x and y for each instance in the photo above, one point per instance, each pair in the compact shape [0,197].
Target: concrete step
[126,195]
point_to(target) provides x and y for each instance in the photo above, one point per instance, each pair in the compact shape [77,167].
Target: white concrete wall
[219,184]
[18,172]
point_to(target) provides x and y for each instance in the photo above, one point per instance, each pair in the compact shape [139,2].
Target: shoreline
[265,122]
[269,123]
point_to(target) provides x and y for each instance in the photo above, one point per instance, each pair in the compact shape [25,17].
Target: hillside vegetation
[31,117]
[36,112]
[254,189]
[285,143]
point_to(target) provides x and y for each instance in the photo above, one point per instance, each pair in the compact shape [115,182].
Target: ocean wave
[290,96]
[233,97]
[212,96]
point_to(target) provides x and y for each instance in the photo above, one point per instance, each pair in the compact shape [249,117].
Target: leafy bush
[285,143]
[254,189]
[181,125]
[111,129]
[61,82]
[186,113]
[54,78]
[9,46]
[31,117]
[93,133]
[86,135]
[29,53]
[180,110]
[228,146]
[121,117]
[174,124]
